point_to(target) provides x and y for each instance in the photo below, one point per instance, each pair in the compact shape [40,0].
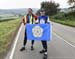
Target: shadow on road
[44,57]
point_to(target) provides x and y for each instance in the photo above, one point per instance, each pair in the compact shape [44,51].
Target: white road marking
[63,40]
[15,43]
[70,30]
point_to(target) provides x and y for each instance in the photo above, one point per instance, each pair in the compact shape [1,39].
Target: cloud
[10,4]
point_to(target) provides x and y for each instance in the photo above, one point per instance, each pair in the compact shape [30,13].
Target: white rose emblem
[37,31]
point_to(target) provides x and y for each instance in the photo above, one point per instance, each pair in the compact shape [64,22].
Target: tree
[71,2]
[51,8]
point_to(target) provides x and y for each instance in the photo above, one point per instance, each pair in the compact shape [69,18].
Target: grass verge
[7,30]
[65,22]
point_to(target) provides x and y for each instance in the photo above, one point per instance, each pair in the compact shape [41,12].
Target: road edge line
[64,40]
[15,43]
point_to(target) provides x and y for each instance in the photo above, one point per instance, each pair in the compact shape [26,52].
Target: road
[62,45]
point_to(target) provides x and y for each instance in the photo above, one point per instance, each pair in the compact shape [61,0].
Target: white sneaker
[45,53]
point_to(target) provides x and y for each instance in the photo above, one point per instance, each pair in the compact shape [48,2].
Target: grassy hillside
[7,29]
[66,19]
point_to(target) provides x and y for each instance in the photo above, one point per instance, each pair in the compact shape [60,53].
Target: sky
[14,4]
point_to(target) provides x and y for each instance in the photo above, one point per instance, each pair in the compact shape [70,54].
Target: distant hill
[67,10]
[15,11]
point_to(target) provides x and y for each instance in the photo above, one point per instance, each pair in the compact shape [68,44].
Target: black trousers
[25,39]
[44,44]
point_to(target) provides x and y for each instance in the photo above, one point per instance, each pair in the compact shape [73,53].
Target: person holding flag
[29,18]
[42,19]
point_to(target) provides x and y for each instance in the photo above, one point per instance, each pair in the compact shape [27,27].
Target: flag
[39,32]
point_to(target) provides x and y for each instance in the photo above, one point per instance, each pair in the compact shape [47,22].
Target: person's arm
[48,21]
[36,18]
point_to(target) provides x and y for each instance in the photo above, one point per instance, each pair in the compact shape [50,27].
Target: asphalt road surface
[62,45]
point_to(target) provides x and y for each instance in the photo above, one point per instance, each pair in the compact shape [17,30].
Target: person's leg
[45,47]
[44,44]
[25,41]
[32,43]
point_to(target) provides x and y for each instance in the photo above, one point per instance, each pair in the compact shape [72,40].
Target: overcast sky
[13,4]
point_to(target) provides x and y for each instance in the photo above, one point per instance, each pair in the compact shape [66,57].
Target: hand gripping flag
[39,32]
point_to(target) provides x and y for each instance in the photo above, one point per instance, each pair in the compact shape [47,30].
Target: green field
[65,22]
[65,19]
[7,28]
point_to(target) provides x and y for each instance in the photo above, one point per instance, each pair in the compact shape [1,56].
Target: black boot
[43,51]
[32,48]
[22,49]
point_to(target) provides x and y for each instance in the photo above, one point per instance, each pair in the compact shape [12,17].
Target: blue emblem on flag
[39,31]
